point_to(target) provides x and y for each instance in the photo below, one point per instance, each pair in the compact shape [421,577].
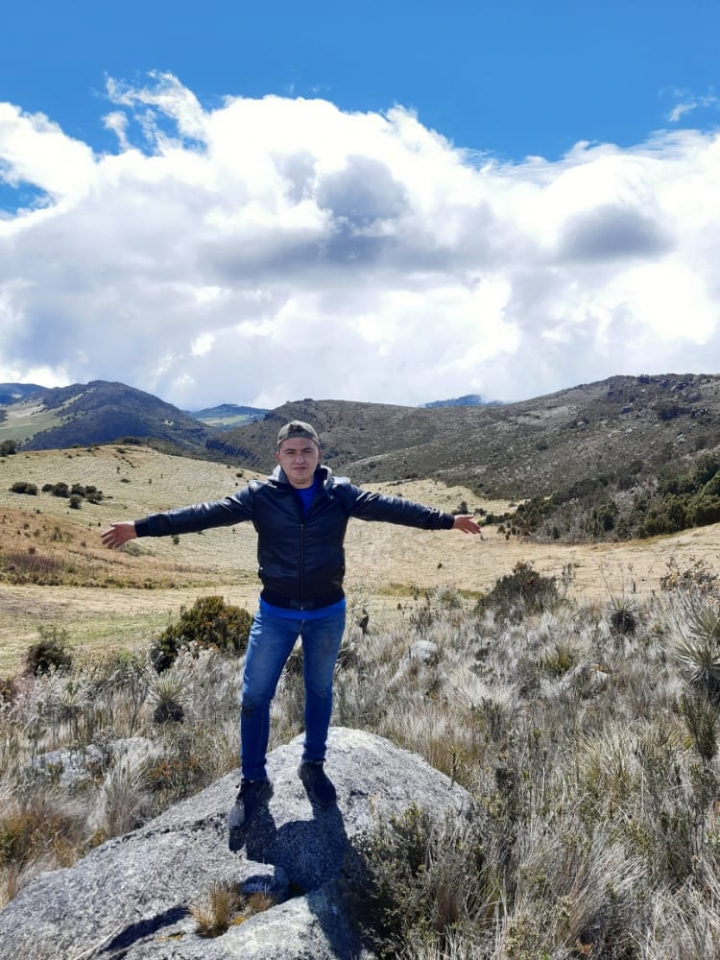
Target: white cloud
[36,151]
[689,102]
[274,249]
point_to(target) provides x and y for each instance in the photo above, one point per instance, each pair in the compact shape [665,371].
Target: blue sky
[432,199]
[512,78]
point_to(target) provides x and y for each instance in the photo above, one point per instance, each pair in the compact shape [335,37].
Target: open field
[121,599]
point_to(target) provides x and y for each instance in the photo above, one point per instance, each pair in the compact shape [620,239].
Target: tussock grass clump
[224,905]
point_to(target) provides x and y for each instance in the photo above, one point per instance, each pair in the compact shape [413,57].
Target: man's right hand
[118,534]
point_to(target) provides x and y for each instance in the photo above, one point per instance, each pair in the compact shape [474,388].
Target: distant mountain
[469,400]
[227,415]
[599,459]
[618,428]
[101,412]
[14,392]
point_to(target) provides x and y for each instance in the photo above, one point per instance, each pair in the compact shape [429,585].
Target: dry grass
[594,830]
[224,905]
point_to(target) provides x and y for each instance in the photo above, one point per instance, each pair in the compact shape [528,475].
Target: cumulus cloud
[278,248]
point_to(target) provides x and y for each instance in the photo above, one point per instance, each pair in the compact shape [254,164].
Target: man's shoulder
[340,481]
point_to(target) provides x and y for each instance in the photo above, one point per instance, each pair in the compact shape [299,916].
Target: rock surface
[130,897]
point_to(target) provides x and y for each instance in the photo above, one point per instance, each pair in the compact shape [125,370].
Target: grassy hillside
[226,416]
[602,460]
[54,570]
[98,412]
[518,449]
[625,458]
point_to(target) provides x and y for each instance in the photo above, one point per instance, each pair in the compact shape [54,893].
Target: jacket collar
[324,473]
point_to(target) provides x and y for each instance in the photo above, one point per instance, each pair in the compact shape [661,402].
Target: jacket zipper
[302,546]
[302,565]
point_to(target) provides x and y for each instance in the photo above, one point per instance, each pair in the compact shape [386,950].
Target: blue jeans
[270,644]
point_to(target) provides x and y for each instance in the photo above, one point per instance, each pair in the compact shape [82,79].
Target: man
[301,514]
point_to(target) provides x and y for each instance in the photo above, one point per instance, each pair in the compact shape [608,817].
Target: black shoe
[318,786]
[253,793]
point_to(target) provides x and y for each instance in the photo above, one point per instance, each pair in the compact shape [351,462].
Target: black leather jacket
[301,559]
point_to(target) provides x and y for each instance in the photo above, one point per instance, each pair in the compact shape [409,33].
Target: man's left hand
[467,523]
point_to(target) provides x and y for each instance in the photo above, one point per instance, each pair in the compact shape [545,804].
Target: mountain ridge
[606,450]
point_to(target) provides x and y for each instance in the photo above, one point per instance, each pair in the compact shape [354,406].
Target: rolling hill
[95,413]
[636,424]
[607,454]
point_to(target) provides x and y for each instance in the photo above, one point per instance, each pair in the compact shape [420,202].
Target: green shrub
[416,881]
[50,653]
[210,622]
[23,486]
[704,510]
[522,592]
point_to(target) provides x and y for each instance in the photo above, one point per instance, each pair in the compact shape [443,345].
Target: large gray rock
[130,897]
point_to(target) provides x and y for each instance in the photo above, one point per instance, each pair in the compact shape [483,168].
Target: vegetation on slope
[610,460]
[587,736]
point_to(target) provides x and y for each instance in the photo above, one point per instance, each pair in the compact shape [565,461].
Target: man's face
[299,458]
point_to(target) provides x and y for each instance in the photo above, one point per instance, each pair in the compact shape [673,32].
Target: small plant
[697,644]
[702,721]
[169,693]
[216,911]
[560,660]
[415,880]
[698,577]
[623,617]
[224,905]
[50,654]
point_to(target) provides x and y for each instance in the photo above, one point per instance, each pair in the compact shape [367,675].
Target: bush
[23,486]
[51,653]
[416,881]
[522,592]
[704,510]
[210,622]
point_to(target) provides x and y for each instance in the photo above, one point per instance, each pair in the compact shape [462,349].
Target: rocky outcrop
[130,898]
